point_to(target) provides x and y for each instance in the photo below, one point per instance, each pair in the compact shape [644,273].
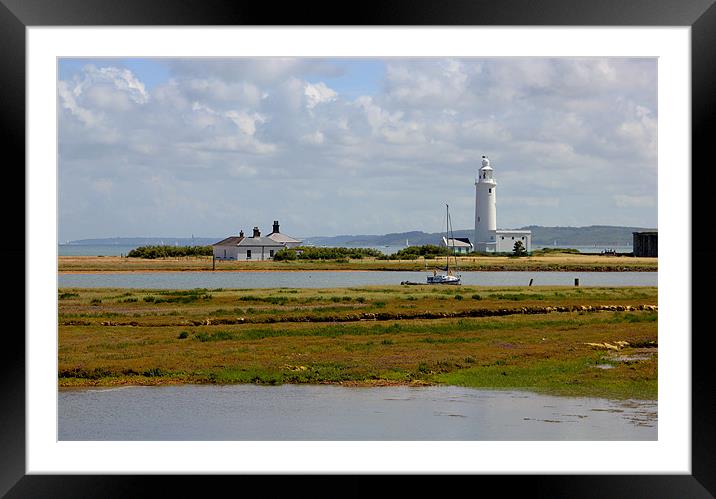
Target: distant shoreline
[562,236]
[554,262]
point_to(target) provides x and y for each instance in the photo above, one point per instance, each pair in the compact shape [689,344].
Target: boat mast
[452,237]
[447,235]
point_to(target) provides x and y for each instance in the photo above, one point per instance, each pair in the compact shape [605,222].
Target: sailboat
[448,277]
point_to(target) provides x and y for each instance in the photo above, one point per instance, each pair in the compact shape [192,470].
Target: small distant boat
[447,277]
[443,279]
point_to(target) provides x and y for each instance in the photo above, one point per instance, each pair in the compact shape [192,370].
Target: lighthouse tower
[485,208]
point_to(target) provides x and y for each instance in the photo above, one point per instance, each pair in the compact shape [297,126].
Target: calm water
[308,279]
[322,412]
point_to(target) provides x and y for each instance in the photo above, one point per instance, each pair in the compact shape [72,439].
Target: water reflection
[326,412]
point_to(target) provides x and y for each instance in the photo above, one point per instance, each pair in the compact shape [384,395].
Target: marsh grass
[573,377]
[545,262]
[518,296]
[215,336]
[298,340]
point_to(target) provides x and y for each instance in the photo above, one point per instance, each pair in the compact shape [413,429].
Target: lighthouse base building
[503,241]
[488,239]
[506,240]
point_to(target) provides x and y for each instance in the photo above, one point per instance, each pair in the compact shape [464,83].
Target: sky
[210,146]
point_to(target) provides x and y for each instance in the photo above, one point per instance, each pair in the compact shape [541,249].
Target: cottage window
[248,254]
[271,253]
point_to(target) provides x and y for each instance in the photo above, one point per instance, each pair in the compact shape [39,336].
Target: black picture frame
[699,15]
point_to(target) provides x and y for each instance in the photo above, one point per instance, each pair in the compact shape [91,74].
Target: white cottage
[247,248]
[458,244]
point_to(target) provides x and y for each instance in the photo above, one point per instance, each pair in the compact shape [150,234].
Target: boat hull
[441,279]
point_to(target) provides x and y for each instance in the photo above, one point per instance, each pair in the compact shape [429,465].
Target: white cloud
[640,131]
[432,83]
[485,131]
[315,138]
[317,94]
[106,98]
[242,171]
[530,201]
[246,122]
[221,138]
[122,80]
[220,92]
[68,101]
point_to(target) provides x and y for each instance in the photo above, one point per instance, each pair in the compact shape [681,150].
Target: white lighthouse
[485,208]
[487,237]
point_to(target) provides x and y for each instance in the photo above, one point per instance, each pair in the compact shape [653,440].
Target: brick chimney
[257,232]
[275,226]
[241,233]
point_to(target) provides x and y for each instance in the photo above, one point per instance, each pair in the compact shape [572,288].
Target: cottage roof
[460,242]
[229,241]
[507,231]
[282,238]
[259,241]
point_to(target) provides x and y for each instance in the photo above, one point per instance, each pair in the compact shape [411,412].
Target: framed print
[204,119]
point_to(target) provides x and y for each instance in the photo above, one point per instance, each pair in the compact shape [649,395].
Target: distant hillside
[583,236]
[563,236]
[415,238]
[600,235]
